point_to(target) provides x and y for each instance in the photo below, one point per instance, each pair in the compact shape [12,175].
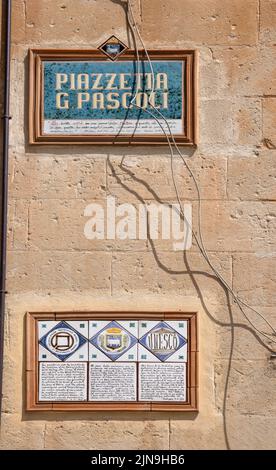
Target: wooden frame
[32,401]
[36,135]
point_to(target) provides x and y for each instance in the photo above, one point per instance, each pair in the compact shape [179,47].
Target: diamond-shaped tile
[162,341]
[113,340]
[62,341]
[113,48]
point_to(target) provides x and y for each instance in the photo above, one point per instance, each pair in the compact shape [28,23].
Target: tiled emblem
[113,48]
[113,340]
[162,341]
[62,341]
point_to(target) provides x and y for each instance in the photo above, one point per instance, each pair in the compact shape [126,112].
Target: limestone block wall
[52,266]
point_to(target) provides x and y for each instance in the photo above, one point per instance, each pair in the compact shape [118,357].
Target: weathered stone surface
[56,270]
[242,431]
[18,88]
[247,121]
[144,178]
[269,123]
[192,434]
[62,225]
[109,433]
[248,71]
[213,83]
[251,386]
[226,226]
[18,20]
[230,123]
[18,216]
[252,178]
[211,22]
[238,226]
[21,435]
[216,122]
[251,432]
[268,21]
[254,277]
[81,24]
[249,344]
[13,398]
[161,273]
[57,176]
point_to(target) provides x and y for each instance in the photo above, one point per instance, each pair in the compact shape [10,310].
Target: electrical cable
[200,241]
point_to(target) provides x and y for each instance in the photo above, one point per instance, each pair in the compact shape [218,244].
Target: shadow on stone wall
[186,271]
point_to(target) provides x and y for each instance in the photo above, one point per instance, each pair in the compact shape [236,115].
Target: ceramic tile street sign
[141,362]
[85,97]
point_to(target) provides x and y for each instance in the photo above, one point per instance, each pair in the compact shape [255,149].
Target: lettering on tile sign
[86,97]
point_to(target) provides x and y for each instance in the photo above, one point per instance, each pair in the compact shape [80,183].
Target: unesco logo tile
[162,341]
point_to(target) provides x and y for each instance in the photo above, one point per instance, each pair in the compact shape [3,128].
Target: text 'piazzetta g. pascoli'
[102,90]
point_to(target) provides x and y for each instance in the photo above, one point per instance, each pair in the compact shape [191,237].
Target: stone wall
[51,265]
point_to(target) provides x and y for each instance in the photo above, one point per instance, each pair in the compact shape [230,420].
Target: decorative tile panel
[139,363]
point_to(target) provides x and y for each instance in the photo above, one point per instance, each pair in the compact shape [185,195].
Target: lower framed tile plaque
[112,361]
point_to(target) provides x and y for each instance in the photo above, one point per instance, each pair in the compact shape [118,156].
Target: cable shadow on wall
[187,271]
[192,273]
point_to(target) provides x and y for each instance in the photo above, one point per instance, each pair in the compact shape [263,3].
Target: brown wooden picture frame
[36,135]
[32,364]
